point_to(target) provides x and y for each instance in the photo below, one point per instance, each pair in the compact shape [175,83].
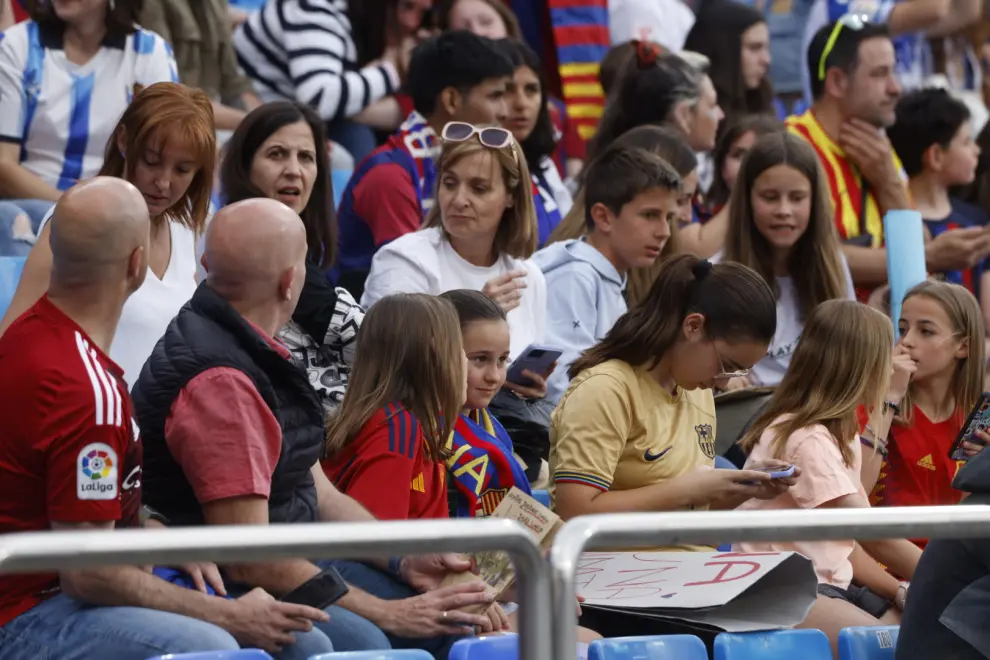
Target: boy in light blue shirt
[630,198]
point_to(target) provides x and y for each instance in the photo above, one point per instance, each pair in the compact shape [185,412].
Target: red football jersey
[386,469]
[69,450]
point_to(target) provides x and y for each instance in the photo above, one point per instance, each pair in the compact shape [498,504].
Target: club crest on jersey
[96,472]
[706,439]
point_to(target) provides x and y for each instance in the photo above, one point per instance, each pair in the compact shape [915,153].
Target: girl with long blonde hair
[941,334]
[843,361]
[780,225]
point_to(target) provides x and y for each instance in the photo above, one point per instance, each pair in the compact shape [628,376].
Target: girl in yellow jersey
[635,430]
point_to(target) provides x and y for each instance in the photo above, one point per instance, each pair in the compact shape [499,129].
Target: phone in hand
[536,359]
[320,591]
[978,420]
[775,472]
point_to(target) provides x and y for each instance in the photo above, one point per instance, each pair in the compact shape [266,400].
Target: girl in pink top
[842,361]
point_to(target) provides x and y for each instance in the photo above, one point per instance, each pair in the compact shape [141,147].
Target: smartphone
[776,471]
[536,359]
[320,591]
[978,420]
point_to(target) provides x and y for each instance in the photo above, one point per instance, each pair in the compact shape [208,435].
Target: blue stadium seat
[10,274]
[497,647]
[339,179]
[773,645]
[660,647]
[405,654]
[779,109]
[242,654]
[868,643]
[543,497]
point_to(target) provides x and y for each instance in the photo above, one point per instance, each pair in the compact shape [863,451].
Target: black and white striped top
[302,50]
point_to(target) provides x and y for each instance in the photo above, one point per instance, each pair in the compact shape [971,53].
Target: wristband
[890,405]
[875,446]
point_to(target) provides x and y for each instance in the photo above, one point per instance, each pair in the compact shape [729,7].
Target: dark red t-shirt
[387,470]
[69,449]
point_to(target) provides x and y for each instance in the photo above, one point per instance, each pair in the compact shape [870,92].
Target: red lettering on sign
[746,554]
[726,567]
[642,574]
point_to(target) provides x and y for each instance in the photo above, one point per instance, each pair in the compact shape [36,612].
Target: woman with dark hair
[529,121]
[279,152]
[66,77]
[735,39]
[165,145]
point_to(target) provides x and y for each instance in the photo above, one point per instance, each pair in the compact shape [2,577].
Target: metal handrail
[711,528]
[53,551]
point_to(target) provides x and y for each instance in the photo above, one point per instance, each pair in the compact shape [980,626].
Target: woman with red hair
[165,145]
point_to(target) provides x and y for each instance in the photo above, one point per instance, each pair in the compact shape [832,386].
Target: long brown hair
[842,361]
[159,113]
[816,264]
[735,301]
[517,232]
[409,351]
[967,322]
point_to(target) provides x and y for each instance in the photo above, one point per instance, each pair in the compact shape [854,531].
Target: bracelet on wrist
[877,446]
[890,405]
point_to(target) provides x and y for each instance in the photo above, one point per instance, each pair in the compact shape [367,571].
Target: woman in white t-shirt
[780,225]
[166,146]
[479,235]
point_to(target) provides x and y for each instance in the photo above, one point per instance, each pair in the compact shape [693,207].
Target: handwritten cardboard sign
[730,591]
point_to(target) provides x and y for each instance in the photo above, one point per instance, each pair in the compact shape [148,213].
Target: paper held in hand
[495,566]
[735,592]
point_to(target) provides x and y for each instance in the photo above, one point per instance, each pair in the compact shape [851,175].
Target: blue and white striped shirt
[302,50]
[61,113]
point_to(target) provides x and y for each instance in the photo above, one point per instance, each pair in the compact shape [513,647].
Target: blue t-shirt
[963,215]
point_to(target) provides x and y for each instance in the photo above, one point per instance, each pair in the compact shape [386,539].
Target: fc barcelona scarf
[481,465]
[580,30]
[420,141]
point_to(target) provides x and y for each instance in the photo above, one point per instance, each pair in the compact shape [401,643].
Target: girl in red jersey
[941,330]
[386,446]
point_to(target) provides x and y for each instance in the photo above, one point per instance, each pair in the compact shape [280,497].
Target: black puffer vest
[209,333]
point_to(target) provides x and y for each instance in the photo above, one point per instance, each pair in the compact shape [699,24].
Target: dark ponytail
[473,306]
[736,302]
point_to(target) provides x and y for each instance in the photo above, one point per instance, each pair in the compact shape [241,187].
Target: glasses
[491,137]
[854,22]
[722,373]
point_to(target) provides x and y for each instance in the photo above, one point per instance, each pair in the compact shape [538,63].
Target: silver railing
[629,530]
[53,551]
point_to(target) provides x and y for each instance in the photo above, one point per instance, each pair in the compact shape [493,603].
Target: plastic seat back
[868,643]
[773,645]
[10,274]
[543,497]
[403,654]
[660,647]
[339,179]
[240,654]
[496,647]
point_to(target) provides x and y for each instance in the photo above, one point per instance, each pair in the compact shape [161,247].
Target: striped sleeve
[156,61]
[14,101]
[320,55]
[591,428]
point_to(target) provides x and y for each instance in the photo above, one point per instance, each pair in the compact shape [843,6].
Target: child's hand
[904,368]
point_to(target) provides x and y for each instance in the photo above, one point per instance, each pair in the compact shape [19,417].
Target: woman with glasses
[635,430]
[478,235]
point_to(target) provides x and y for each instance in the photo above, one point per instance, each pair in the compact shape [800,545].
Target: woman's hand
[506,289]
[904,368]
[437,612]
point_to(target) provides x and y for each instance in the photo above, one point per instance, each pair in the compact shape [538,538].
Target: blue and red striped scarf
[420,141]
[481,465]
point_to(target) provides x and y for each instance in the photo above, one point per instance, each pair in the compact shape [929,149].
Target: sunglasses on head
[492,137]
[854,22]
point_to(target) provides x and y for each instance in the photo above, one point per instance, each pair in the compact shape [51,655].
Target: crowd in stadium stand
[297,261]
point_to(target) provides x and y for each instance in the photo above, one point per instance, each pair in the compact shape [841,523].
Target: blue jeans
[62,628]
[384,586]
[10,209]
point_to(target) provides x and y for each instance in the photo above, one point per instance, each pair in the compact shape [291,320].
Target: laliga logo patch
[96,472]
